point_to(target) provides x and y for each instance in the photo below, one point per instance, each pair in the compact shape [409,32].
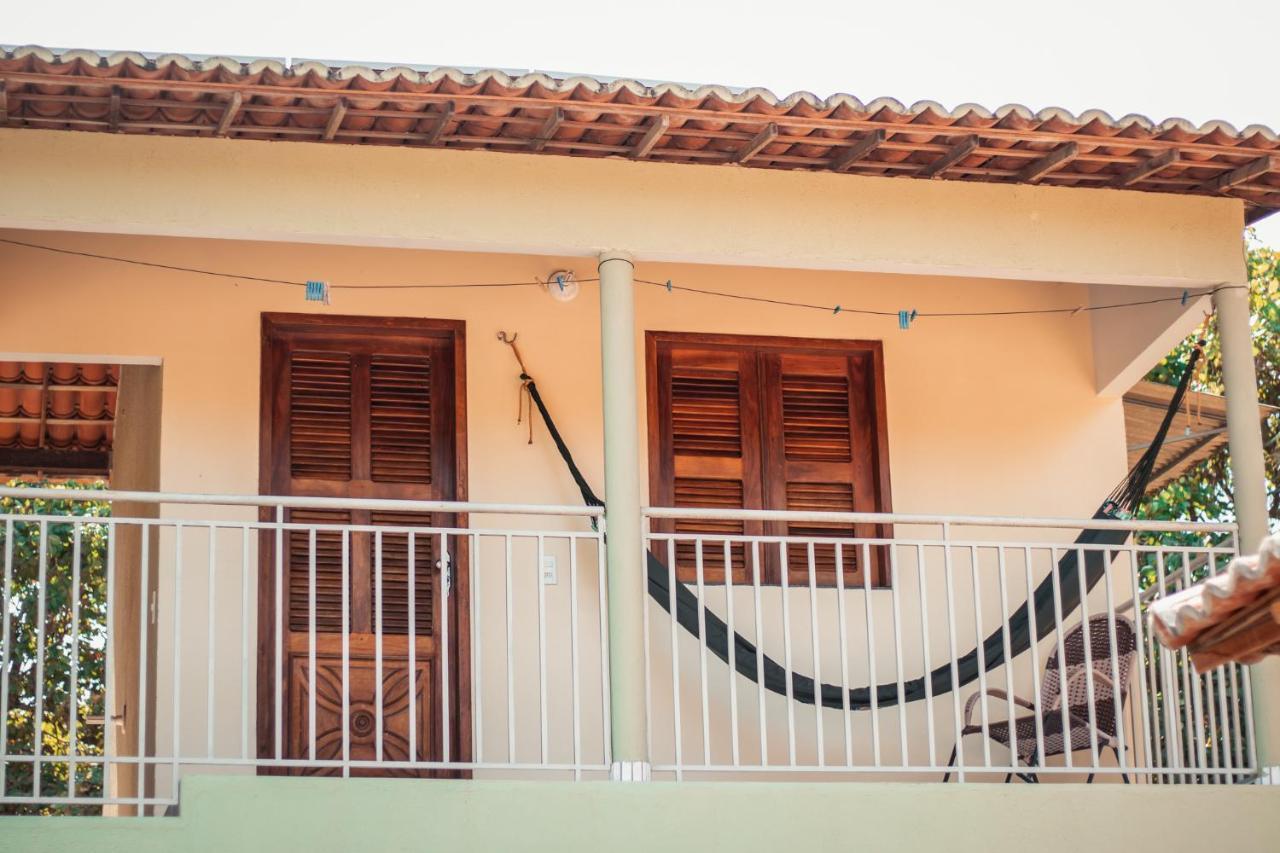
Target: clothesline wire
[668,285]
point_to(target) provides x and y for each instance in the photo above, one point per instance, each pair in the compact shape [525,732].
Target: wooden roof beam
[955,154]
[335,120]
[437,129]
[114,114]
[860,149]
[229,113]
[548,130]
[1146,169]
[757,144]
[4,103]
[1257,213]
[660,125]
[1055,159]
[1253,169]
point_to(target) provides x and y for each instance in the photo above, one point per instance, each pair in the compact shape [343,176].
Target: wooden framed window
[769,423]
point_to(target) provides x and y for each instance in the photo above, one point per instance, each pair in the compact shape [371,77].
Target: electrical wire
[668,285]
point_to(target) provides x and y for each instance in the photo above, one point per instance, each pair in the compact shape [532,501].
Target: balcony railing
[150,635]
[903,612]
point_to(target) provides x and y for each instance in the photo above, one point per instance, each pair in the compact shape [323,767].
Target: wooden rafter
[1255,168]
[437,129]
[1058,157]
[1146,168]
[114,110]
[4,103]
[548,130]
[657,127]
[767,134]
[335,120]
[864,146]
[228,114]
[954,155]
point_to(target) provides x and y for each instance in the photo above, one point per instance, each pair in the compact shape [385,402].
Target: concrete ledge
[245,814]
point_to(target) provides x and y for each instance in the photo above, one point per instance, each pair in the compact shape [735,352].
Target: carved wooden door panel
[361,408]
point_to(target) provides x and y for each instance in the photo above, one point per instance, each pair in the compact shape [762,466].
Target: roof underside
[587,117]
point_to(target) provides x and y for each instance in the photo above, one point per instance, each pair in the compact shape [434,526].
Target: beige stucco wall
[985,416]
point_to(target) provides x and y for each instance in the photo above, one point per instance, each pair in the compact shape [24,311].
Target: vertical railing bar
[736,753]
[346,653]
[6,599]
[573,657]
[844,655]
[1169,682]
[73,694]
[1249,758]
[700,578]
[1144,705]
[897,653]
[244,643]
[311,644]
[411,569]
[948,570]
[675,658]
[1064,700]
[1117,703]
[377,642]
[37,719]
[981,650]
[1087,627]
[1224,737]
[109,736]
[279,632]
[647,545]
[1192,683]
[542,647]
[143,619]
[511,673]
[1003,580]
[603,624]
[477,653]
[446,708]
[817,655]
[178,546]
[1156,715]
[873,680]
[212,559]
[1236,740]
[930,723]
[759,628]
[1034,634]
[784,562]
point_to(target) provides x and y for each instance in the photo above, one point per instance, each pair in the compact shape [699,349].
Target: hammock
[1123,500]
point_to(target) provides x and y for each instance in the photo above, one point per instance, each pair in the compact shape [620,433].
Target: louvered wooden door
[360,408]
[769,423]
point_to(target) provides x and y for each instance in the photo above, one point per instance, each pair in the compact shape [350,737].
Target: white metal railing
[509,678]
[815,605]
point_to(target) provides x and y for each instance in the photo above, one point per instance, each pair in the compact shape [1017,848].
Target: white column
[624,546]
[1249,485]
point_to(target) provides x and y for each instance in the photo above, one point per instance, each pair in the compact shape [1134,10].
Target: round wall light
[562,286]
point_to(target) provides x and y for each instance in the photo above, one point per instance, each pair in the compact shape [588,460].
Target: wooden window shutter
[708,408]
[770,423]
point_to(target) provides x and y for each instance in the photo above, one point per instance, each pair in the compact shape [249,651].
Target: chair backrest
[1075,685]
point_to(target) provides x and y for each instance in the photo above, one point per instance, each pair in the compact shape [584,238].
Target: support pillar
[624,545]
[1249,487]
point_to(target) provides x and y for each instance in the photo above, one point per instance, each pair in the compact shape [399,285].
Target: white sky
[1165,58]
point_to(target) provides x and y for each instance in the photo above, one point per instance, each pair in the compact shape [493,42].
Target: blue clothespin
[668,285]
[318,291]
[837,310]
[905,318]
[560,282]
[1185,295]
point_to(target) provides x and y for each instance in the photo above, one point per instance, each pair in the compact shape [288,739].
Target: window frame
[661,470]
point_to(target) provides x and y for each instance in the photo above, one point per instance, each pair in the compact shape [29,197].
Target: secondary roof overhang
[589,117]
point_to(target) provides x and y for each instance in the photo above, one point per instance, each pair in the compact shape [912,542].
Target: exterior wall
[986,416]
[331,815]
[483,201]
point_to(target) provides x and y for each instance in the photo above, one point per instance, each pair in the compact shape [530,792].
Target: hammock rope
[1039,611]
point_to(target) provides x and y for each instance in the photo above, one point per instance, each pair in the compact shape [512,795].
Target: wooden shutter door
[704,414]
[821,454]
[358,408]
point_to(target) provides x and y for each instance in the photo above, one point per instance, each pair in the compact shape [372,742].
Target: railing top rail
[298,502]
[963,520]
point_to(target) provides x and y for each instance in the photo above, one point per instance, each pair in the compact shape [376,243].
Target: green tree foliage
[67,710]
[1203,492]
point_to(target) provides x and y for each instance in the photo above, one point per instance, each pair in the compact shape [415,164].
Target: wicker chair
[1106,720]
